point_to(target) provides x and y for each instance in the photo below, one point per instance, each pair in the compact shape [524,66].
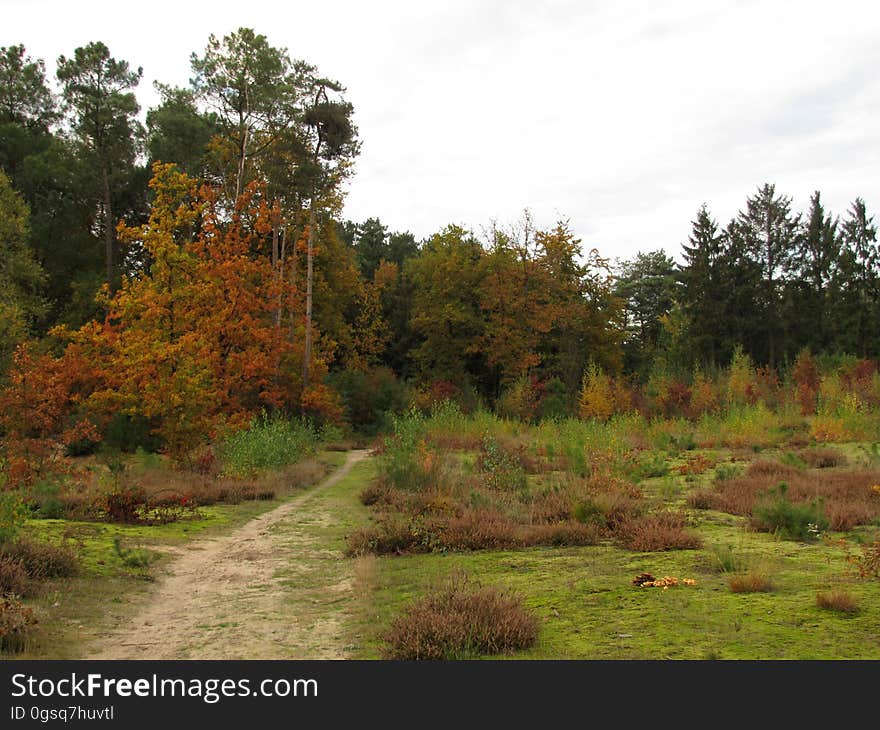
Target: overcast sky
[620,116]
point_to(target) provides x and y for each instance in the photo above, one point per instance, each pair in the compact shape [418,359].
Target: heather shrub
[562,534]
[819,458]
[662,531]
[461,619]
[14,579]
[125,504]
[42,559]
[16,620]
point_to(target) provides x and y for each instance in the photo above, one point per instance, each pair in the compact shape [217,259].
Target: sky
[621,117]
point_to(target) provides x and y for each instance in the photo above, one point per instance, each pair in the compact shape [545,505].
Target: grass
[838,601]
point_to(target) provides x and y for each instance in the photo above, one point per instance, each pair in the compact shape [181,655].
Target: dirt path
[260,592]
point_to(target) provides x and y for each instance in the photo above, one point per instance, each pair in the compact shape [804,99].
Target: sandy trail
[223,599]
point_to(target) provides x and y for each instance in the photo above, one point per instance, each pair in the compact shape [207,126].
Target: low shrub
[752,582]
[14,579]
[838,601]
[794,521]
[663,531]
[501,467]
[461,619]
[822,458]
[42,559]
[270,442]
[13,514]
[16,620]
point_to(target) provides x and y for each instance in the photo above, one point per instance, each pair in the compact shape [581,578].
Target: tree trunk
[307,356]
[281,259]
[771,296]
[109,231]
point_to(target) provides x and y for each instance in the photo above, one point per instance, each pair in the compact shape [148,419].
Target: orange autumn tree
[39,410]
[192,342]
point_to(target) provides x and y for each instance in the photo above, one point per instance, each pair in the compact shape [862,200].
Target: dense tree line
[110,233]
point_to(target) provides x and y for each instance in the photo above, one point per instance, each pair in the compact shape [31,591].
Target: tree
[254,90]
[102,113]
[27,107]
[280,120]
[588,316]
[190,343]
[178,132]
[859,281]
[21,277]
[371,244]
[769,233]
[648,286]
[446,314]
[813,265]
[516,304]
[704,289]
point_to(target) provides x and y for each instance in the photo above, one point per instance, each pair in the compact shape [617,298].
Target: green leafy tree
[21,277]
[446,315]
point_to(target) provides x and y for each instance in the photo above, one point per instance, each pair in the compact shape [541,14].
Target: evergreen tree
[704,293]
[860,282]
[102,111]
[647,284]
[769,234]
[810,319]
